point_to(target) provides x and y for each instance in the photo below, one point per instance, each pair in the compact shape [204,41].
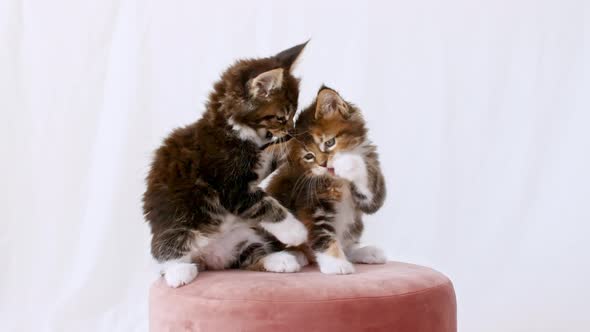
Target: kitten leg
[172,249]
[259,257]
[282,261]
[364,173]
[275,219]
[299,255]
[351,166]
[328,252]
[366,255]
[271,158]
[333,261]
[179,272]
[289,231]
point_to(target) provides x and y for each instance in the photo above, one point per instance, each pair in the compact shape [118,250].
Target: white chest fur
[220,250]
[345,213]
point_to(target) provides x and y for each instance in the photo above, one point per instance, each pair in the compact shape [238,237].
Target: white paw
[333,265]
[352,167]
[289,231]
[180,274]
[281,261]
[368,255]
[349,166]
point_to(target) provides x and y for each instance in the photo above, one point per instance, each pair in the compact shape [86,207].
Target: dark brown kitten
[334,177]
[203,202]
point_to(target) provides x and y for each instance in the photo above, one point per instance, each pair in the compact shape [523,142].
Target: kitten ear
[290,145]
[263,84]
[288,57]
[329,104]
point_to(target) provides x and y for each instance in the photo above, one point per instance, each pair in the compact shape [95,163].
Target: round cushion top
[375,297]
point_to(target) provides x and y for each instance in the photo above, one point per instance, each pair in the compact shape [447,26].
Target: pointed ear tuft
[262,85]
[288,57]
[329,104]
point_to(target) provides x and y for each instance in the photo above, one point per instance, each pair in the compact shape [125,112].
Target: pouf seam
[441,285]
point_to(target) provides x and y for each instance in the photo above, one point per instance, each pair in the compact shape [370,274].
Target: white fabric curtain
[480,109]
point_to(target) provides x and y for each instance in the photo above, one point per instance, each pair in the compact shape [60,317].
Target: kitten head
[258,97]
[305,156]
[332,124]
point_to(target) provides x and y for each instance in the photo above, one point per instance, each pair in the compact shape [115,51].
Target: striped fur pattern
[334,177]
[203,202]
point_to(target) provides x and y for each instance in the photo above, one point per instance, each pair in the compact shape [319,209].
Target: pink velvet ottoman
[390,297]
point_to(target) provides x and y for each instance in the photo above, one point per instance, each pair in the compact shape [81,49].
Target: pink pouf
[392,297]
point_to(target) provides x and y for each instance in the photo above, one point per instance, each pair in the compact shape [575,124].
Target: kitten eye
[281,119]
[330,143]
[309,157]
[268,135]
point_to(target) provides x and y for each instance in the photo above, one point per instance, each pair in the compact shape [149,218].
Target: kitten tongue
[331,170]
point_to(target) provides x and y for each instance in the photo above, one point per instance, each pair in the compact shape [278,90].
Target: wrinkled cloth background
[480,109]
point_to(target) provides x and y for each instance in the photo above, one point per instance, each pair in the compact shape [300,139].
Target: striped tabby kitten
[334,175]
[203,202]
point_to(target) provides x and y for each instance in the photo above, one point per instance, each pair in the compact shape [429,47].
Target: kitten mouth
[282,135]
[331,170]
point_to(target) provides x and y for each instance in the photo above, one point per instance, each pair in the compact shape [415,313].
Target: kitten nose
[325,164]
[281,119]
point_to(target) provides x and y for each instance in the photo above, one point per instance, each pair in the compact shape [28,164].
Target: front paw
[349,166]
[352,167]
[290,231]
[180,274]
[368,255]
[332,265]
[281,262]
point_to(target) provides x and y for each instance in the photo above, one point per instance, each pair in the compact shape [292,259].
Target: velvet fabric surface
[391,297]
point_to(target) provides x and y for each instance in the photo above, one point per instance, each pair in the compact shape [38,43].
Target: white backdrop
[481,111]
